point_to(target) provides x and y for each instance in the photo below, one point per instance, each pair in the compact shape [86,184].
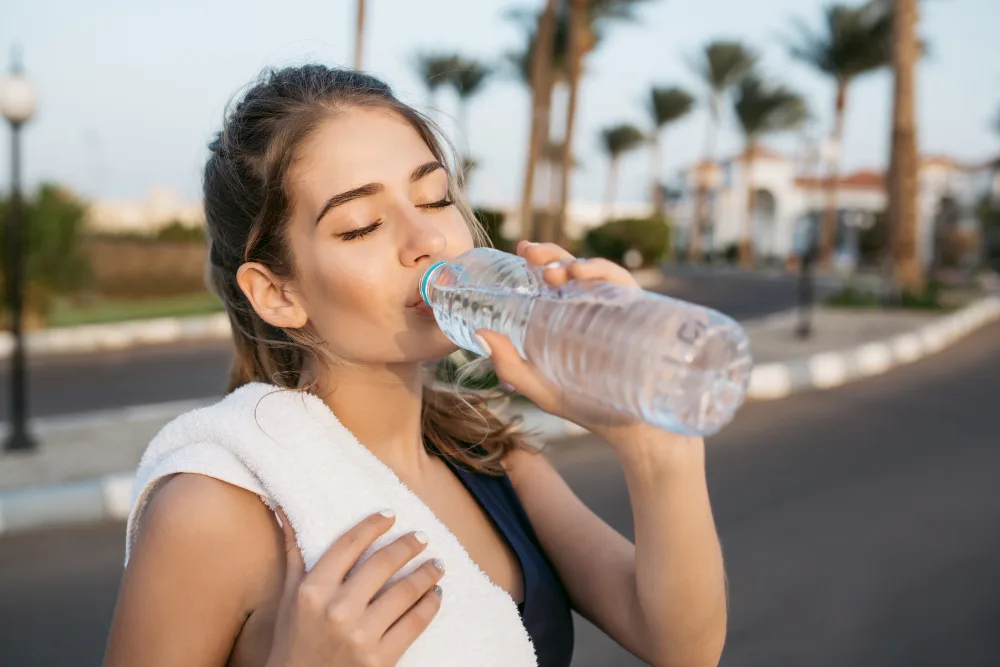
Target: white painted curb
[120,335]
[831,369]
[109,497]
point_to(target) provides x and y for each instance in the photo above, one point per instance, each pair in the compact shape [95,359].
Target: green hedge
[650,236]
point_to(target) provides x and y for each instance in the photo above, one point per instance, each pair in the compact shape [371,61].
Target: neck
[381,406]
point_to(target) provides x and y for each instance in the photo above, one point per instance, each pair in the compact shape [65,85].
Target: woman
[325,199]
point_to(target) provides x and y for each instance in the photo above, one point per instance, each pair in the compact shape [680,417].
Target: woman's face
[370,213]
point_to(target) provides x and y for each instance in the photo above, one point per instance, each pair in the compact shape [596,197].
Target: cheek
[458,234]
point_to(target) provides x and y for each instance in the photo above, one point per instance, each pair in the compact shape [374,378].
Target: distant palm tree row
[853,40]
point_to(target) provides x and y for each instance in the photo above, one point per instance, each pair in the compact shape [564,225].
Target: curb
[120,335]
[831,369]
[109,497]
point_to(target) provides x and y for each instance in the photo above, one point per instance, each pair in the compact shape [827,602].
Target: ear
[270,297]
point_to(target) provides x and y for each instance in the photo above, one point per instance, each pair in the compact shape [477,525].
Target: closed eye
[361,233]
[443,203]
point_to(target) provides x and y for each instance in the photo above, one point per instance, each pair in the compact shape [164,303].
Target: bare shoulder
[206,554]
[223,526]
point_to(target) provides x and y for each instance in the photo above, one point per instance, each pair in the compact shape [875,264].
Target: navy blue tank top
[545,610]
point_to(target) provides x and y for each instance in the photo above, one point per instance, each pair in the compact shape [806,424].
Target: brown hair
[247,207]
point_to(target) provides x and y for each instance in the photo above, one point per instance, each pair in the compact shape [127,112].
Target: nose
[422,239]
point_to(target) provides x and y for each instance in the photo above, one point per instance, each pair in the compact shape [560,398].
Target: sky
[130,92]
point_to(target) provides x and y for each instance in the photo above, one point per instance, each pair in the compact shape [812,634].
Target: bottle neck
[427,280]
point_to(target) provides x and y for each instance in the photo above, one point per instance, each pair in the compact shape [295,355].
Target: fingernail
[420,536]
[484,346]
[554,265]
[506,388]
[387,513]
[437,591]
[438,563]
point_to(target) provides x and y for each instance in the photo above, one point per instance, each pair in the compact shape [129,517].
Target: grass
[104,310]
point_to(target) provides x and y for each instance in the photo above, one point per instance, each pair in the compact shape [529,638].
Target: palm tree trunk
[611,192]
[908,270]
[656,170]
[577,26]
[830,214]
[359,36]
[700,212]
[541,93]
[746,238]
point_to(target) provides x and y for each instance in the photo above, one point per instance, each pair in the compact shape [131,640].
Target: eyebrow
[374,188]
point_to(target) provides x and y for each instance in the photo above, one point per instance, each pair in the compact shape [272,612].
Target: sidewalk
[83,468]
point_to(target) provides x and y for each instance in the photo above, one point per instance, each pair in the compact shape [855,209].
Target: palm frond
[763,108]
[722,64]
[852,41]
[668,104]
[436,69]
[621,138]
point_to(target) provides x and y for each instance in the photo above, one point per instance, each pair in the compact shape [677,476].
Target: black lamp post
[17,103]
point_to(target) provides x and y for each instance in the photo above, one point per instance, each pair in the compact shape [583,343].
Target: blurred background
[827,173]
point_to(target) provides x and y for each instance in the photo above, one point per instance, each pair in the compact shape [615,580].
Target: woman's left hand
[523,375]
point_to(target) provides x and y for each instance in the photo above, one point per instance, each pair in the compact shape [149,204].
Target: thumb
[295,567]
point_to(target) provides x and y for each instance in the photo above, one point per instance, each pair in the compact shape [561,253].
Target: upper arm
[203,553]
[595,562]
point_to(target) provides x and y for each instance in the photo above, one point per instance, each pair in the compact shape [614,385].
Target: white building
[160,207]
[789,200]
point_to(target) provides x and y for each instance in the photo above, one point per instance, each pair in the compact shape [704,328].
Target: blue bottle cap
[426,279]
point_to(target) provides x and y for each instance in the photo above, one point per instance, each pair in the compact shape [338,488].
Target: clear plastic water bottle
[673,364]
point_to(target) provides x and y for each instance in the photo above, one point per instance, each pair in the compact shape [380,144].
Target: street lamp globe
[17,99]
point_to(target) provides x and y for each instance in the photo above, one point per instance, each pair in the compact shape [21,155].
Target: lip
[421,309]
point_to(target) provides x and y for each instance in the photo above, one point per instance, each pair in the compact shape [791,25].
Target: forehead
[357,147]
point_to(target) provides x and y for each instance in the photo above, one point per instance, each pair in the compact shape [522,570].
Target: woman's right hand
[325,620]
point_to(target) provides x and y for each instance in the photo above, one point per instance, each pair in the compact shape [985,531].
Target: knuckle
[309,597]
[357,639]
[337,615]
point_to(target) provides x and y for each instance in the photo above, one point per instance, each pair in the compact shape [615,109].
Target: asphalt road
[860,527]
[73,384]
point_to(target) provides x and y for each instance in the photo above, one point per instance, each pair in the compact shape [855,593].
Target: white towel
[290,449]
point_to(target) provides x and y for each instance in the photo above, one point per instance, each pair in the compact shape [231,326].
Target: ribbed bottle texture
[673,364]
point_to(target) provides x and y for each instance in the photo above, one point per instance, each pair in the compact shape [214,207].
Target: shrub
[54,265]
[650,236]
[176,230]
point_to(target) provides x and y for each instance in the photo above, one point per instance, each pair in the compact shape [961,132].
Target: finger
[372,575]
[543,253]
[295,567]
[600,269]
[404,631]
[521,374]
[334,565]
[400,596]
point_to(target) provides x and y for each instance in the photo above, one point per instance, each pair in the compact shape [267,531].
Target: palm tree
[617,140]
[853,42]
[761,109]
[588,20]
[468,79]
[721,65]
[535,65]
[908,271]
[359,36]
[666,106]
[435,71]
